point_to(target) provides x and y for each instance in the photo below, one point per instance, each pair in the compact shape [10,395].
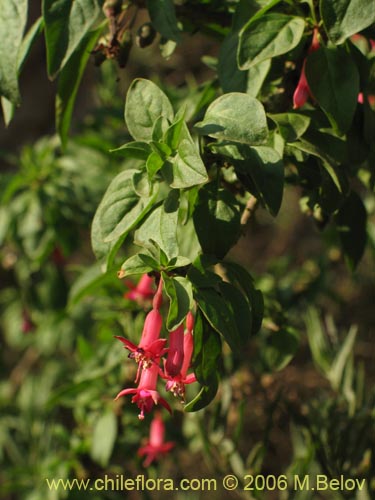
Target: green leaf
[120,210]
[173,134]
[351,222]
[343,18]
[231,78]
[268,36]
[153,165]
[69,81]
[161,227]
[239,276]
[186,168]
[261,171]
[205,395]
[138,264]
[240,310]
[163,18]
[8,109]
[103,438]
[66,23]
[219,314]
[235,117]
[333,79]
[180,294]
[217,220]
[279,348]
[13,16]
[136,149]
[199,273]
[291,125]
[88,281]
[145,103]
[207,349]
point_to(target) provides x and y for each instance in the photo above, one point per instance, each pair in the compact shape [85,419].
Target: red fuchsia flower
[176,383]
[302,92]
[156,447]
[175,356]
[146,395]
[142,291]
[150,348]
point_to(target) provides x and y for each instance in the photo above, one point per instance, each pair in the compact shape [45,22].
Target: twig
[250,208]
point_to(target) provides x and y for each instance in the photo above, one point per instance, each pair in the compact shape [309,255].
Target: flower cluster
[157,358]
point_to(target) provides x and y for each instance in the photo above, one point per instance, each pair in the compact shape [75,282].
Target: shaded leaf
[163,18]
[351,222]
[333,79]
[217,220]
[66,24]
[343,18]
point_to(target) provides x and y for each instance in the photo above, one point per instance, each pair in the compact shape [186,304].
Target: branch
[250,208]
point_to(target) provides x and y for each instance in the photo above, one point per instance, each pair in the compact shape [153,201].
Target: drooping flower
[143,291]
[176,383]
[175,356]
[302,91]
[156,447]
[150,348]
[146,395]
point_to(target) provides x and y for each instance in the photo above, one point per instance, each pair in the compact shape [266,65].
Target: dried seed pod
[145,35]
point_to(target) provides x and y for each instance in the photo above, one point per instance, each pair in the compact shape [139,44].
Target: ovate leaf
[220,316]
[180,294]
[333,79]
[66,23]
[343,18]
[291,125]
[261,171]
[161,227]
[145,103]
[235,117]
[13,15]
[138,264]
[268,36]
[120,210]
[163,18]
[135,149]
[207,349]
[217,220]
[186,168]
